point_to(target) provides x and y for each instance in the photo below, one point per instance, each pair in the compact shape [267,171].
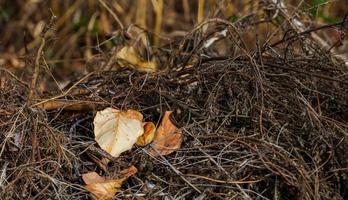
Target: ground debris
[260,124]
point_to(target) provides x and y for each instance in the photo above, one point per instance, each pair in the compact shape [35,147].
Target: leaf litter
[168,137]
[105,188]
[265,123]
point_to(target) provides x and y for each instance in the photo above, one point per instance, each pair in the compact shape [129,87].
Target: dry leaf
[149,134]
[105,189]
[128,54]
[66,105]
[116,131]
[168,137]
[92,177]
[101,188]
[130,171]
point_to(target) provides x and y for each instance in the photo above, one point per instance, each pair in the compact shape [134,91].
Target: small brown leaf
[149,134]
[100,187]
[66,105]
[105,189]
[168,137]
[130,171]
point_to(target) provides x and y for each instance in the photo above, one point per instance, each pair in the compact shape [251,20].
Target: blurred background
[84,32]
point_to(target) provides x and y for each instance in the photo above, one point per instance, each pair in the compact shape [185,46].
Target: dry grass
[262,104]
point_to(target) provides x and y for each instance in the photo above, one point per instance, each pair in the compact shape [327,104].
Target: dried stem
[35,76]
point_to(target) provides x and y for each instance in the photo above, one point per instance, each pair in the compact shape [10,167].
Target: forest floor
[261,98]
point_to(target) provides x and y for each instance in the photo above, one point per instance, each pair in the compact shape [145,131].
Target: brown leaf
[168,137]
[130,171]
[149,134]
[92,177]
[67,105]
[105,189]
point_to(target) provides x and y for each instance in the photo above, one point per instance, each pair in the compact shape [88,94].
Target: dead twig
[32,88]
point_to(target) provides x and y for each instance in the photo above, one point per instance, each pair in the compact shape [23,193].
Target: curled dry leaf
[105,189]
[66,105]
[116,131]
[128,54]
[101,188]
[168,137]
[149,134]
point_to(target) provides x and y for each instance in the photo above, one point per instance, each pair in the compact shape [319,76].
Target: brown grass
[262,104]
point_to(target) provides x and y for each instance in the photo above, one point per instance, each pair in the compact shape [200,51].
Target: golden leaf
[149,134]
[116,131]
[128,54]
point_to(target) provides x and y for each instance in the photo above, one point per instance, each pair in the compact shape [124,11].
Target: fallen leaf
[130,171]
[128,54]
[103,188]
[92,177]
[116,131]
[149,134]
[67,105]
[168,137]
